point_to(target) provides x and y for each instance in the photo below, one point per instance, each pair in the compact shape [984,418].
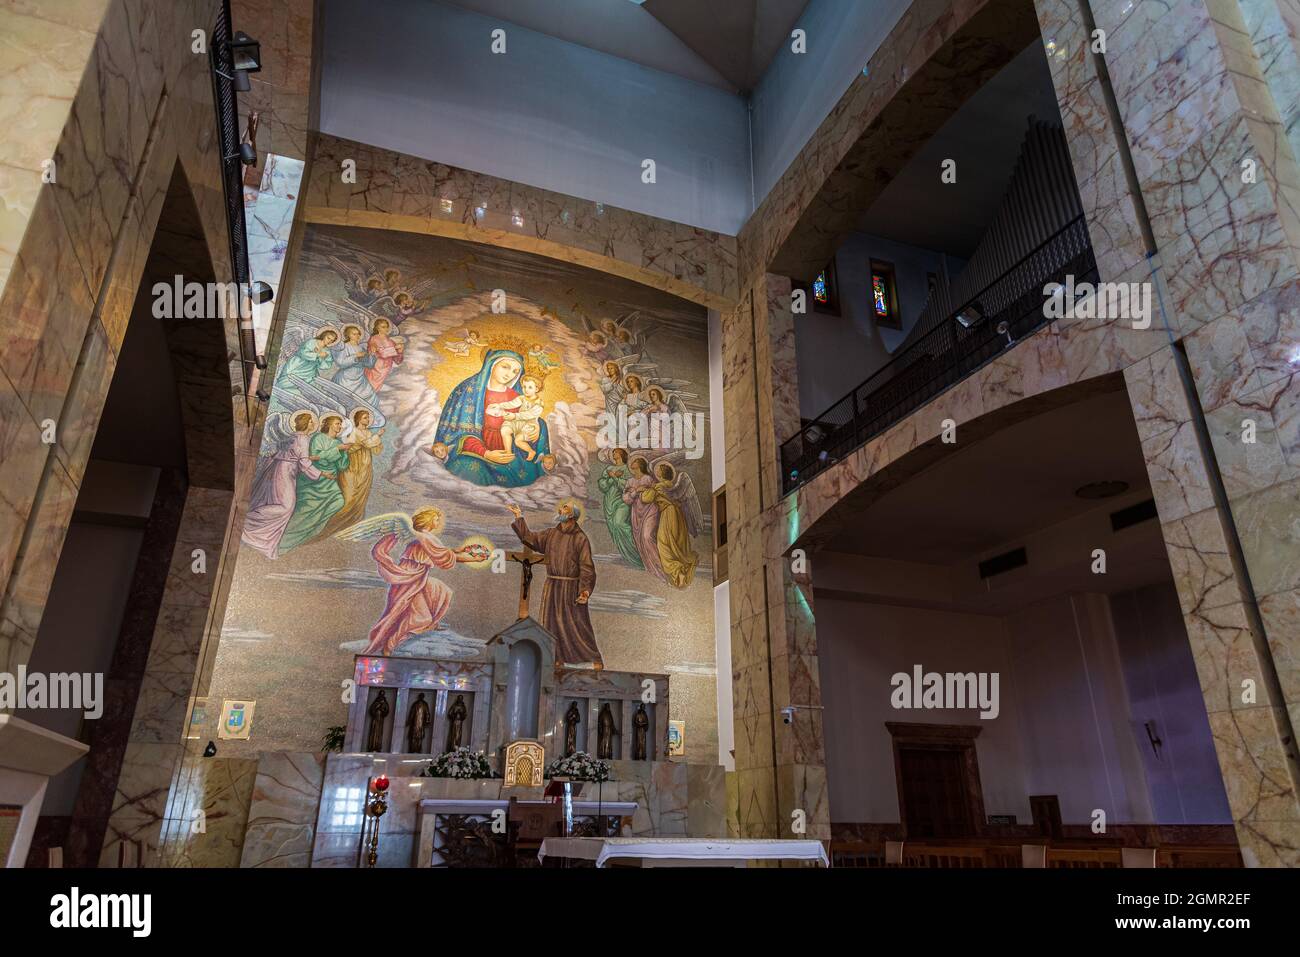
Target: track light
[260,292]
[259,360]
[263,395]
[971,315]
[246,53]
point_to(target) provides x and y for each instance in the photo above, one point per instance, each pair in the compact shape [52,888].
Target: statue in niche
[640,727]
[456,716]
[416,724]
[378,712]
[572,718]
[605,732]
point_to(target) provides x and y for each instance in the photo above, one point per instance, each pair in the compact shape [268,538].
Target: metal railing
[1009,308]
[226,100]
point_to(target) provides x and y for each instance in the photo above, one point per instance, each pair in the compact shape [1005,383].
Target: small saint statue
[456,716]
[640,725]
[416,724]
[572,717]
[378,713]
[605,732]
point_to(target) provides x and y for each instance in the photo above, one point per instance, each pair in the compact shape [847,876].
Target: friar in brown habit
[570,580]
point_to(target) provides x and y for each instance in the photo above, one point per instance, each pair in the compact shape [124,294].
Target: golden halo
[578,504]
[293,416]
[324,329]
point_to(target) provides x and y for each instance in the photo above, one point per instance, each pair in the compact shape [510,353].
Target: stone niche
[512,690]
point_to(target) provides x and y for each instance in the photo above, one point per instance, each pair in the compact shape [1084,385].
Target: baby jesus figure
[520,428]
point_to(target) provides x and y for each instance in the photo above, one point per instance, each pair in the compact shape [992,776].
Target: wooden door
[935,793]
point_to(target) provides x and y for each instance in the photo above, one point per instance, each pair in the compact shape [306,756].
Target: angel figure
[363,282]
[417,602]
[613,380]
[597,346]
[463,347]
[309,360]
[387,352]
[680,520]
[358,475]
[661,399]
[351,360]
[644,517]
[275,488]
[542,357]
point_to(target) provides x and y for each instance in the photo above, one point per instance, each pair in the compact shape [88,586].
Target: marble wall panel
[207,814]
[394,191]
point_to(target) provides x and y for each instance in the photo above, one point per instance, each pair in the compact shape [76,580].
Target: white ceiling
[994,496]
[994,491]
[724,43]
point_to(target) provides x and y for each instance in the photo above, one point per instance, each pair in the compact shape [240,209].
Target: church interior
[850,434]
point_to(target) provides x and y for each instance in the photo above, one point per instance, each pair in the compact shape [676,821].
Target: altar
[512,697]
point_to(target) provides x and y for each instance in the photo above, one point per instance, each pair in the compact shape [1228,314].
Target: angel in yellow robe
[680,520]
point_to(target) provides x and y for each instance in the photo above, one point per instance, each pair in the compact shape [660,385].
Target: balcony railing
[1005,311]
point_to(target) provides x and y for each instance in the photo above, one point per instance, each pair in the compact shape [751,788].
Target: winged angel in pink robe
[416,601]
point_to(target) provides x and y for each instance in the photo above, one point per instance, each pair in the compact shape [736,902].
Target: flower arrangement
[580,766]
[461,763]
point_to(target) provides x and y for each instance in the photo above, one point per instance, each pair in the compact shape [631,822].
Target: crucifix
[526,559]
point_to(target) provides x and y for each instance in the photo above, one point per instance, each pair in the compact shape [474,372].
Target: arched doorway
[126,600]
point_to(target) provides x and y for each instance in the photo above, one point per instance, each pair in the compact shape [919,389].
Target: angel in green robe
[308,361]
[618,513]
[318,498]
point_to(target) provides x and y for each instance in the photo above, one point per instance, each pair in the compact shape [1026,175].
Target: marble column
[1195,155]
[152,761]
[780,767]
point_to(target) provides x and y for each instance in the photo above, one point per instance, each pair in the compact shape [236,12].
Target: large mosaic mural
[438,404]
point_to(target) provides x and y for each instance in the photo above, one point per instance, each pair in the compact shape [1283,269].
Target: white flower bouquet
[461,763]
[580,766]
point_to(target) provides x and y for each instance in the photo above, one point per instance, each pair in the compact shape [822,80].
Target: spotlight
[248,154]
[260,292]
[263,395]
[971,315]
[240,79]
[245,52]
[259,361]
[814,434]
[1004,329]
[210,750]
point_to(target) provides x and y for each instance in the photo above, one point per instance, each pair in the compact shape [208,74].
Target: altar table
[682,851]
[434,812]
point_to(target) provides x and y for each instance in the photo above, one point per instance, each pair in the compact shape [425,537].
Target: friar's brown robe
[569,572]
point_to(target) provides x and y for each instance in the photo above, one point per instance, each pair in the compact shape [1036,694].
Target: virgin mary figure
[470,426]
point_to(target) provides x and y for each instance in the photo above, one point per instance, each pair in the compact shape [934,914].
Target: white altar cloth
[486,806]
[683,851]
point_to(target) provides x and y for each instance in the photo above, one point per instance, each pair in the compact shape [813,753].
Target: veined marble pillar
[142,813]
[1200,157]
[780,767]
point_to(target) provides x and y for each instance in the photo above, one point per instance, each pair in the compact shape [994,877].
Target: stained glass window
[880,295]
[821,292]
[884,294]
